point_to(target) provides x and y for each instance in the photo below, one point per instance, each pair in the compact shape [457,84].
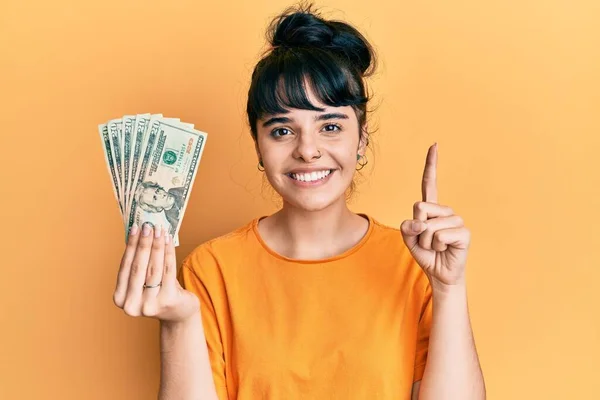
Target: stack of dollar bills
[152,162]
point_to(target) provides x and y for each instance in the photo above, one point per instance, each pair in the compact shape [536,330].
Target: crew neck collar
[346,253]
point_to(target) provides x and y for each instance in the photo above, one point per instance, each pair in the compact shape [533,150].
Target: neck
[303,234]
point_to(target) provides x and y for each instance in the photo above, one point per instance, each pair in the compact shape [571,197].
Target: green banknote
[110,163]
[114,135]
[152,162]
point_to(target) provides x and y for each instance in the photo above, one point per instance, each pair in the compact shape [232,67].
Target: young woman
[313,301]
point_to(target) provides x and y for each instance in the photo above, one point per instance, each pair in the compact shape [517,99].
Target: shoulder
[388,239]
[213,250]
[385,229]
[388,244]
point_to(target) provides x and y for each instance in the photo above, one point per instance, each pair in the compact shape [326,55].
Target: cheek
[262,143]
[346,157]
[274,159]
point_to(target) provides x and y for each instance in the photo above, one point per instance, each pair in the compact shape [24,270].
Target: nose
[307,147]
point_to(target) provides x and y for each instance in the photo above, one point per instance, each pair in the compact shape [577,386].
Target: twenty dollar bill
[166,172]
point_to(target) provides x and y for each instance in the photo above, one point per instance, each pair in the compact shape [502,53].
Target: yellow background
[509,90]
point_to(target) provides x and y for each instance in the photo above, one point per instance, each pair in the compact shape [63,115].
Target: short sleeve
[190,281]
[423,330]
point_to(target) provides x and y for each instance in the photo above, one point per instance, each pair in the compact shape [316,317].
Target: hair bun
[304,28]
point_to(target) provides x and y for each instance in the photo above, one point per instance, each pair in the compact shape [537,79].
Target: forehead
[297,113]
[325,112]
[312,97]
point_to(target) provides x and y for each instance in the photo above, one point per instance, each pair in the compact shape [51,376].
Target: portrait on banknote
[153,198]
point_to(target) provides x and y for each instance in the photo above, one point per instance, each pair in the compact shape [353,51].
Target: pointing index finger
[429,185]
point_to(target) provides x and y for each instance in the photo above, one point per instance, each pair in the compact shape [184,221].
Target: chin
[311,203]
[308,199]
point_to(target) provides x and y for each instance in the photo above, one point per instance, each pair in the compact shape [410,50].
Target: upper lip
[308,170]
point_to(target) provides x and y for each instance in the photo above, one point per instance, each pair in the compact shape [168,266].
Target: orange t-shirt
[352,326]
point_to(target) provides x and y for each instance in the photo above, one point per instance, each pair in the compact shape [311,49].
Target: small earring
[260,164]
[362,164]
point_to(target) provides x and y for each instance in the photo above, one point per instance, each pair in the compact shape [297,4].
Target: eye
[279,132]
[332,128]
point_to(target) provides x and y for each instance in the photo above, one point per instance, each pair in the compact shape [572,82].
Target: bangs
[280,81]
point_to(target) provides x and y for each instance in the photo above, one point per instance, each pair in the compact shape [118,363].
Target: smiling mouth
[311,177]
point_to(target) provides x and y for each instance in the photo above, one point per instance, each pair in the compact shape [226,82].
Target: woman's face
[290,144]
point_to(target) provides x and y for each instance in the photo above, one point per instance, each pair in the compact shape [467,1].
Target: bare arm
[439,242]
[185,367]
[452,370]
[147,286]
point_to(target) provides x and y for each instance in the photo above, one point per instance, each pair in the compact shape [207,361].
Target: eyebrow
[320,117]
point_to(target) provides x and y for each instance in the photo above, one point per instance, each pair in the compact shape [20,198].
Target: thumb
[411,229]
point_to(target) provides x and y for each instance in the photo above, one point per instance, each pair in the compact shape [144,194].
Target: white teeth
[313,176]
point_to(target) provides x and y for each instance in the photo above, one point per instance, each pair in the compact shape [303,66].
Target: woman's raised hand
[147,282]
[436,237]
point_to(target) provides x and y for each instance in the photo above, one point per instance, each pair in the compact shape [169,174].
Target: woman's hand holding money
[147,282]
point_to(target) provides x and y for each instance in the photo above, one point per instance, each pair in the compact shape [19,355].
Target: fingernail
[157,232]
[168,238]
[133,230]
[416,226]
[146,230]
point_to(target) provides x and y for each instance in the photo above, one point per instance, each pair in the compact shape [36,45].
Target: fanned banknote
[152,162]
